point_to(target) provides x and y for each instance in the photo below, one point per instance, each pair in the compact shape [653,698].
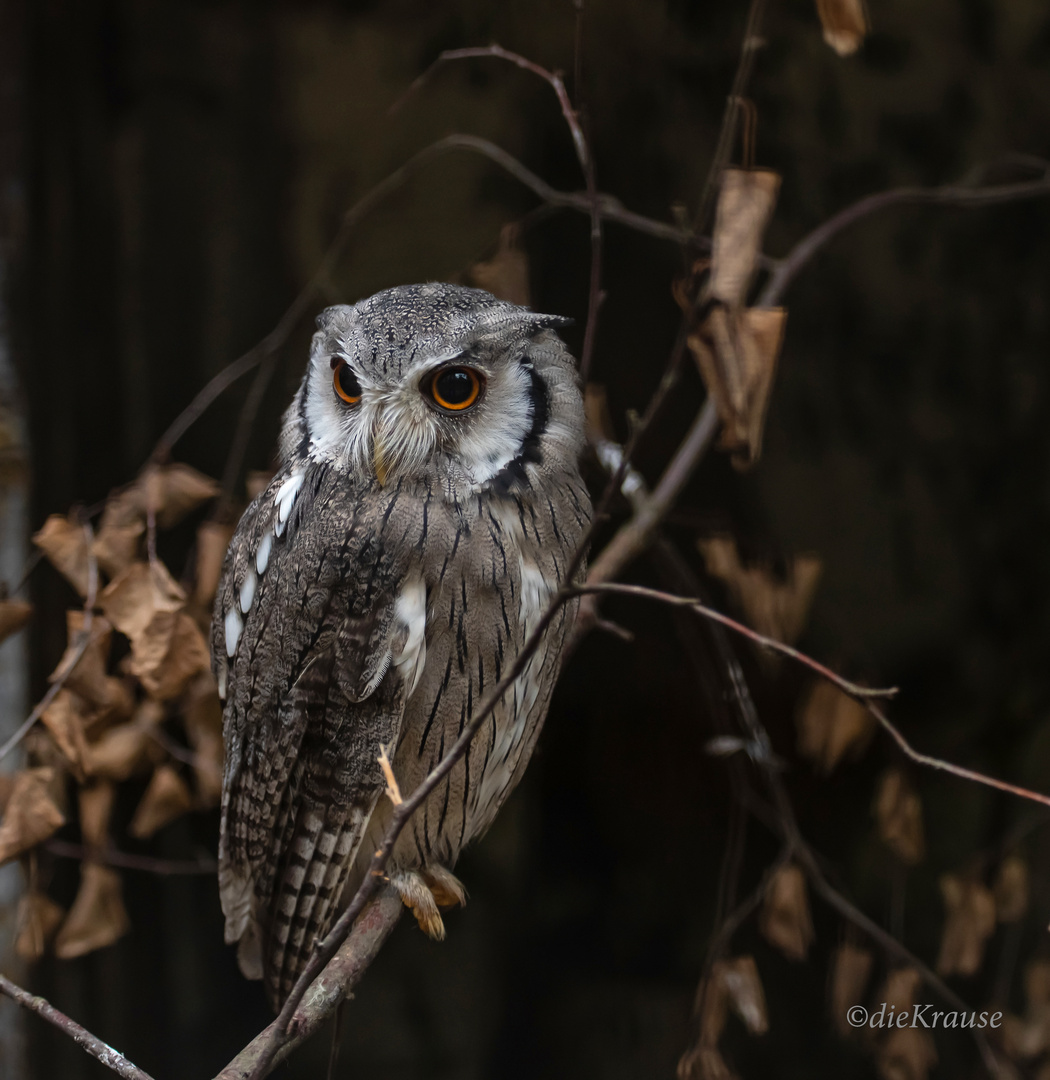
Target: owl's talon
[424,891]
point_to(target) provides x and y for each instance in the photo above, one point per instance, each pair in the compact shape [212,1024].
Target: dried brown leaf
[898,812]
[785,920]
[14,614]
[831,725]
[64,720]
[506,274]
[120,531]
[213,539]
[845,24]
[120,753]
[745,205]
[900,989]
[1011,889]
[1026,1037]
[166,799]
[173,491]
[776,608]
[168,654]
[96,808]
[203,721]
[906,1054]
[850,971]
[970,922]
[132,599]
[737,352]
[30,816]
[63,541]
[733,984]
[97,917]
[38,919]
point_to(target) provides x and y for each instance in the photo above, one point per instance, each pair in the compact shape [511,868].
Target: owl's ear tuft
[538,322]
[330,314]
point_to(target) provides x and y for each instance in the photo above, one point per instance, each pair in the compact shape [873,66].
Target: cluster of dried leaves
[135,698]
[831,729]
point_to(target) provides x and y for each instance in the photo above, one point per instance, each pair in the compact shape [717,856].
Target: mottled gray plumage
[373,593]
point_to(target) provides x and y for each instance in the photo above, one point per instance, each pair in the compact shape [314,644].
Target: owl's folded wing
[311,698]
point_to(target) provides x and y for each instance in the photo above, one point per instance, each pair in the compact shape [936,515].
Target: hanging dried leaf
[898,812]
[785,920]
[106,698]
[745,205]
[906,1054]
[14,614]
[38,919]
[850,971]
[204,729]
[64,720]
[506,274]
[900,989]
[1011,889]
[705,1063]
[119,537]
[173,491]
[30,816]
[845,24]
[63,541]
[132,599]
[1028,1037]
[776,608]
[736,351]
[97,917]
[120,753]
[166,799]
[831,725]
[733,984]
[970,922]
[257,481]
[213,539]
[168,654]
[96,808]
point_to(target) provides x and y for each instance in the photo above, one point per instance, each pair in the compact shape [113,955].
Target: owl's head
[436,382]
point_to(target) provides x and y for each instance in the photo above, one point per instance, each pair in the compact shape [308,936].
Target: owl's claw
[427,890]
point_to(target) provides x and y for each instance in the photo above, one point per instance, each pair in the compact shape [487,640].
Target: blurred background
[171,173]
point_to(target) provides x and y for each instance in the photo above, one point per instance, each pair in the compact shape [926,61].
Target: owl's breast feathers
[352,617]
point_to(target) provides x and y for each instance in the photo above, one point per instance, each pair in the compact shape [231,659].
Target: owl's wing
[305,650]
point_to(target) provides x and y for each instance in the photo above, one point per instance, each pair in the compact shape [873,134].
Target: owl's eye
[346,384]
[456,388]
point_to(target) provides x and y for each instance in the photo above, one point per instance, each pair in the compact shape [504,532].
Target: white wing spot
[234,626]
[248,591]
[221,680]
[286,496]
[411,611]
[262,556]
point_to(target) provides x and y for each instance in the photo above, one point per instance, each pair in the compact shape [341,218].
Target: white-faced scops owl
[427,507]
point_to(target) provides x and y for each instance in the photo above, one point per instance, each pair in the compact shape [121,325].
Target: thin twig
[128,861]
[99,1050]
[787,269]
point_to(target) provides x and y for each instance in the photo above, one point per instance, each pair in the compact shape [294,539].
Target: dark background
[174,172]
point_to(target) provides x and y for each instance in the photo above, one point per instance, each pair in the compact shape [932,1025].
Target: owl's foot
[425,891]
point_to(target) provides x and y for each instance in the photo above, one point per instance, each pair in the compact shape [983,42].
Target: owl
[428,506]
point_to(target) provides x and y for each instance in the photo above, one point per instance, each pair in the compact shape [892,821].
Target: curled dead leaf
[734,985]
[120,531]
[506,274]
[1011,889]
[900,989]
[168,654]
[105,698]
[121,752]
[898,813]
[97,917]
[745,205]
[30,816]
[166,799]
[203,720]
[845,24]
[132,599]
[774,607]
[64,720]
[173,491]
[96,808]
[213,539]
[970,909]
[906,1054]
[850,971]
[38,919]
[785,919]
[14,614]
[64,542]
[831,725]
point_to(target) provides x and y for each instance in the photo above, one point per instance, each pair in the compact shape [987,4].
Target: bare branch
[128,861]
[99,1050]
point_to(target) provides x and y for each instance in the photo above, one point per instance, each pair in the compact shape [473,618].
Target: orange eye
[455,388]
[346,384]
